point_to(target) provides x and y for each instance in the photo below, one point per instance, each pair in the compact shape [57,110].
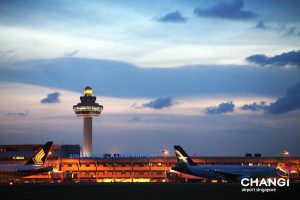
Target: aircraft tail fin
[183,158]
[40,157]
[283,170]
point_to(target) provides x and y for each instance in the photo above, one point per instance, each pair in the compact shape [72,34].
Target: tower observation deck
[88,108]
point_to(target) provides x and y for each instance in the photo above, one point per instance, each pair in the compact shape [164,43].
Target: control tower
[88,108]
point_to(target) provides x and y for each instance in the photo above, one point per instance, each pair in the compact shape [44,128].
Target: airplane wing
[230,176]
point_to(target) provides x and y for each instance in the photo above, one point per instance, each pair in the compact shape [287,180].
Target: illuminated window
[18,158]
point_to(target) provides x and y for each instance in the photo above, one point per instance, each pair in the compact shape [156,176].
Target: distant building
[115,168]
[67,150]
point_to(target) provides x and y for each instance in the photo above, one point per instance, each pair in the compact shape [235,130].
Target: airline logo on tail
[38,157]
[181,157]
[283,170]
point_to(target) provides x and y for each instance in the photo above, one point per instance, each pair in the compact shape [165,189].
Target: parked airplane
[33,166]
[227,172]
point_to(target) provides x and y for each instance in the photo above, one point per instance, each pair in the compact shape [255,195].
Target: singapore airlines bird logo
[181,157]
[38,157]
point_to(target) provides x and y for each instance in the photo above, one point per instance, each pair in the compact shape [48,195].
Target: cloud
[291,31]
[160,103]
[7,54]
[291,58]
[220,109]
[135,119]
[120,79]
[232,10]
[282,30]
[289,102]
[254,106]
[72,53]
[173,17]
[261,25]
[18,114]
[51,98]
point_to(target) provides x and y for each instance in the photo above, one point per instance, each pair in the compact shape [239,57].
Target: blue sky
[167,72]
[132,32]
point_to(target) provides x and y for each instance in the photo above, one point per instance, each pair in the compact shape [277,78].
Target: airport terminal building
[69,167]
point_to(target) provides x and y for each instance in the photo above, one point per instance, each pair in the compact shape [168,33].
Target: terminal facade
[115,168]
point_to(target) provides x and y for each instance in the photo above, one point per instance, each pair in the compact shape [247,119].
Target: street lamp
[165,153]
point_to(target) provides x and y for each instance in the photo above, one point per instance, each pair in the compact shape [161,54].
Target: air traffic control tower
[88,108]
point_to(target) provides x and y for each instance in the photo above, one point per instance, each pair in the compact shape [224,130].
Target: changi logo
[281,182]
[263,185]
[181,157]
[38,157]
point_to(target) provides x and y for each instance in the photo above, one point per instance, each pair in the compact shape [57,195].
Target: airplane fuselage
[227,172]
[8,172]
[236,172]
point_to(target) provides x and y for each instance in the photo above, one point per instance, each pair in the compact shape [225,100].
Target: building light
[18,158]
[141,180]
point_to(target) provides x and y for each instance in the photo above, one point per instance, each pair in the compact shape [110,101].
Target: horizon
[217,77]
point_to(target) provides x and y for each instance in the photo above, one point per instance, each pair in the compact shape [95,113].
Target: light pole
[285,153]
[165,153]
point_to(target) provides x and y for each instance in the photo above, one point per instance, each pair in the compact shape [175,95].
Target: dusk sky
[217,77]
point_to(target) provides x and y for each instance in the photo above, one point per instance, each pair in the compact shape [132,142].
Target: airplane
[33,166]
[232,173]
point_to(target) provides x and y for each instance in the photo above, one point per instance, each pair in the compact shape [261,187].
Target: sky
[220,78]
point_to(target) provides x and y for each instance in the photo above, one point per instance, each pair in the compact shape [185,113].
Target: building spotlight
[285,153]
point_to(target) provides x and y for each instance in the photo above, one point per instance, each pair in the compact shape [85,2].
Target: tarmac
[141,191]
